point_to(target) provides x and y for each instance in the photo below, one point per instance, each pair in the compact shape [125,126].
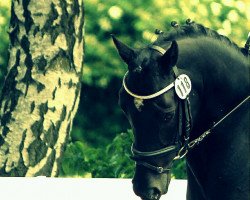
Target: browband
[151,96]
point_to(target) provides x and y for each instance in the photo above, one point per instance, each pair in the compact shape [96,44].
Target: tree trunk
[42,88]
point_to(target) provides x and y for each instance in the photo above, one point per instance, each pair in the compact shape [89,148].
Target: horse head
[148,99]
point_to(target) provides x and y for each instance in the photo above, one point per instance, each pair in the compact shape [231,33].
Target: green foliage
[99,117]
[179,169]
[4,21]
[107,162]
[134,23]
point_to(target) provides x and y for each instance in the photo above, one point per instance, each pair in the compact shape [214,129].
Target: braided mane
[192,29]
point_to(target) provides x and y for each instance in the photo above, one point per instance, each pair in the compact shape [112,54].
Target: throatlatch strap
[176,71]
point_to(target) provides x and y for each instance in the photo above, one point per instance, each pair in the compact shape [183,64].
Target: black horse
[188,94]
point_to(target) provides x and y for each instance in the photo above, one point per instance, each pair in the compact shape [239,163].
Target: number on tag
[182,86]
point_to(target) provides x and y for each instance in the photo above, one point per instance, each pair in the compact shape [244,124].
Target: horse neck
[221,80]
[226,84]
[224,73]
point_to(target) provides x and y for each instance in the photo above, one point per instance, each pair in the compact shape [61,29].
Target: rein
[196,141]
[182,85]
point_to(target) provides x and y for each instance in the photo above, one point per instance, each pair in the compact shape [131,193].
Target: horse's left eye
[168,116]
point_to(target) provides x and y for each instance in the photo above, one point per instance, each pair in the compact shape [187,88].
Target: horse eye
[168,116]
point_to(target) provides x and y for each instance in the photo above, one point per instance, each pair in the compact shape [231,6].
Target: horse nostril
[148,193]
[154,194]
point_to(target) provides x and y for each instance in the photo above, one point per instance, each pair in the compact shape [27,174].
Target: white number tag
[182,86]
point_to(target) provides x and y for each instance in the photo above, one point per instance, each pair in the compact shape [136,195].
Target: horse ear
[124,51]
[169,58]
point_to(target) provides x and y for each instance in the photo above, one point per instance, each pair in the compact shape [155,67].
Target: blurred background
[101,137]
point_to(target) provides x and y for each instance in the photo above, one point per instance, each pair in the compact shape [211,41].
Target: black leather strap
[157,169]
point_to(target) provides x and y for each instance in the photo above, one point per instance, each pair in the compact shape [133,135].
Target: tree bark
[41,92]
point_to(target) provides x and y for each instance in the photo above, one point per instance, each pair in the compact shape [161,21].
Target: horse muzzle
[150,190]
[150,194]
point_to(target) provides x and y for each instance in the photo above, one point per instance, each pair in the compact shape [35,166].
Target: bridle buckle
[160,170]
[182,153]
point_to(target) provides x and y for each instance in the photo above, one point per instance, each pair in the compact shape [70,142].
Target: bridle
[182,144]
[184,116]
